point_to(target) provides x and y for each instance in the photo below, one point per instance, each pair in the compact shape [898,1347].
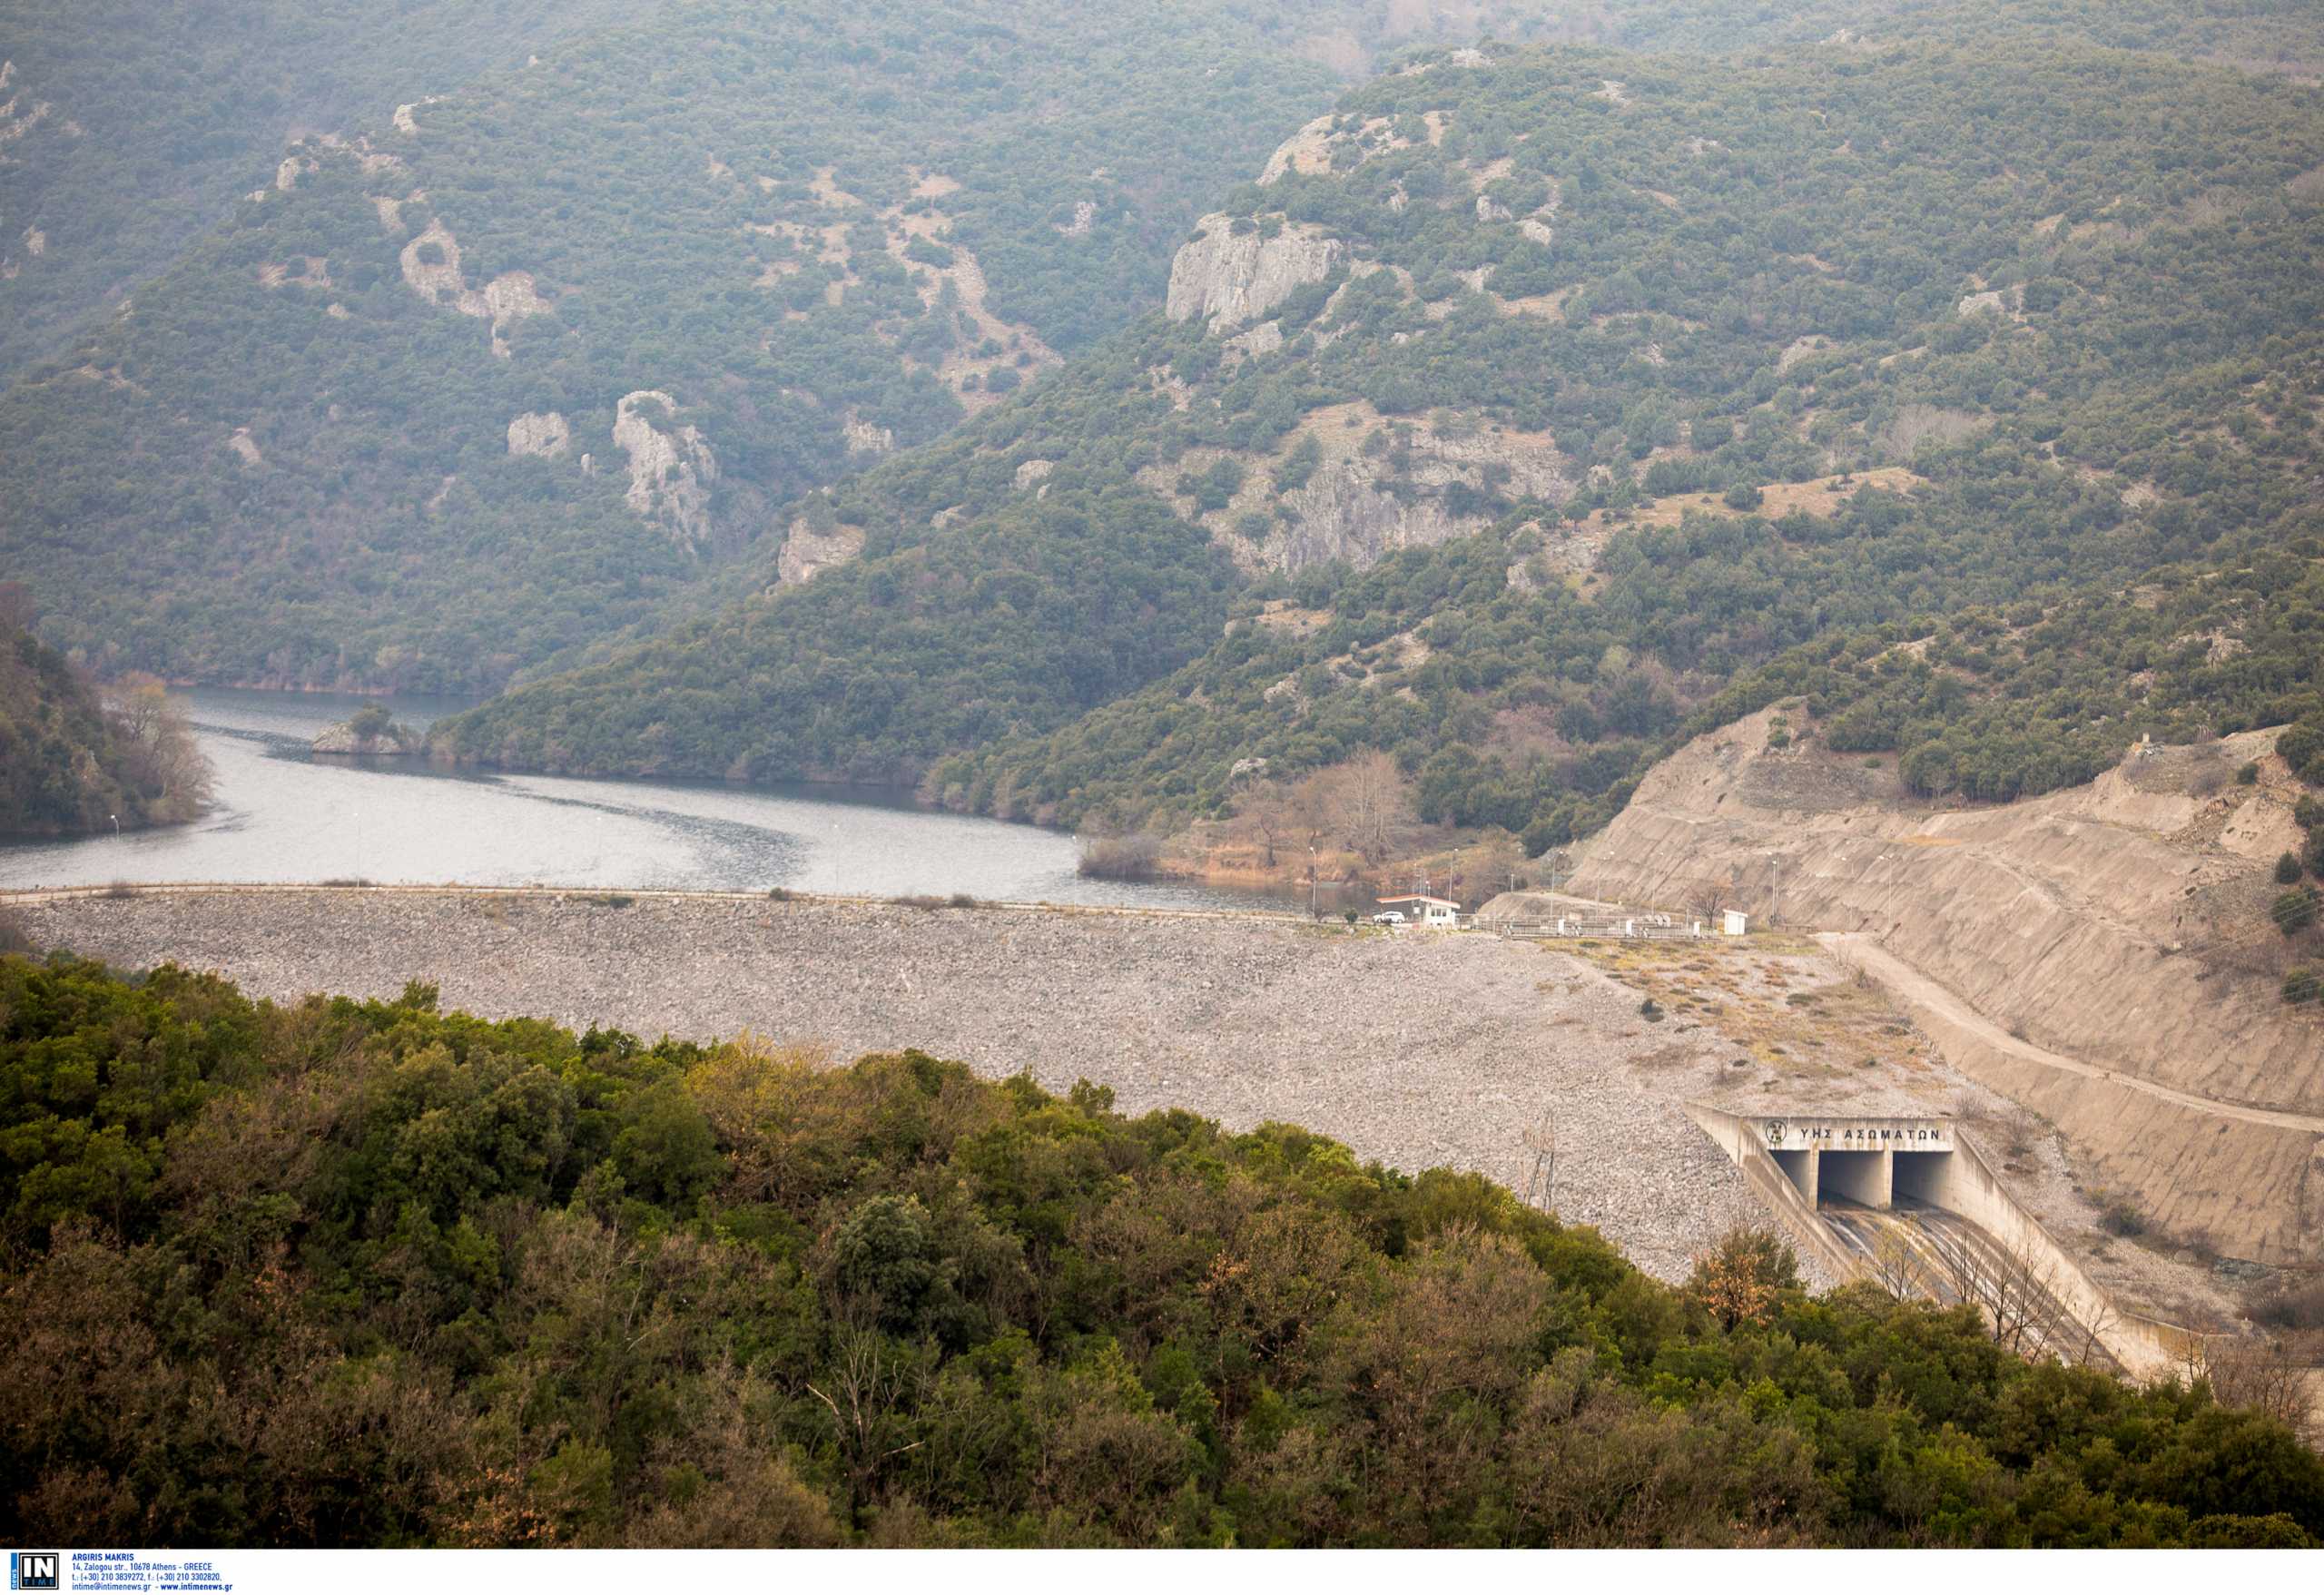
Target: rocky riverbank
[1418,1050]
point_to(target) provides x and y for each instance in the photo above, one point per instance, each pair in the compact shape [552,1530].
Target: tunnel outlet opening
[1794,1170]
[1925,1178]
[1861,1177]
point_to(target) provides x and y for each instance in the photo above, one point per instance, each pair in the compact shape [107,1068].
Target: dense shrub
[496,1284]
[2294,911]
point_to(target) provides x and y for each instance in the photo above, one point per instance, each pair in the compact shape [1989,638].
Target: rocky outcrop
[1262,339]
[1233,272]
[431,265]
[511,296]
[808,551]
[431,269]
[1307,152]
[17,117]
[671,473]
[2121,924]
[1371,491]
[864,438]
[347,738]
[546,434]
[306,271]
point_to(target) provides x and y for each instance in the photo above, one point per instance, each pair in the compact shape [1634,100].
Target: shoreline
[128,891]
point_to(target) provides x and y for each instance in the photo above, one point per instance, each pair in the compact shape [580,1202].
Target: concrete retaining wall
[1952,1176]
[1793,1208]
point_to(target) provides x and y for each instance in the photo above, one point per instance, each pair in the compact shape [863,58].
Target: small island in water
[370,730]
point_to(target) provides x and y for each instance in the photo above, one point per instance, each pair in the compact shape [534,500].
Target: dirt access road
[1929,998]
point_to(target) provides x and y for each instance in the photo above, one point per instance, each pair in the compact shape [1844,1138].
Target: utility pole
[1542,1180]
[1312,912]
[1774,887]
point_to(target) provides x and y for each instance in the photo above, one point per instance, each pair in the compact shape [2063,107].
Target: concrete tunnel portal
[1870,1163]
[1905,1201]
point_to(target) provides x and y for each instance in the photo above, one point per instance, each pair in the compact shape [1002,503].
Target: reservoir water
[281,815]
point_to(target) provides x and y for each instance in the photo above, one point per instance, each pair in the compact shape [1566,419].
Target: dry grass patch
[1819,497]
[1785,1012]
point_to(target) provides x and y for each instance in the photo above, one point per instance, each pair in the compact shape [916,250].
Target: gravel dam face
[1418,1051]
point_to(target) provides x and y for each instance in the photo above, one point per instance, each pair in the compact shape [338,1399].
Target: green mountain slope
[128,129]
[341,442]
[1500,361]
[365,433]
[494,1285]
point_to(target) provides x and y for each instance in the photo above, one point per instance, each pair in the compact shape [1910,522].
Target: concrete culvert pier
[1909,1204]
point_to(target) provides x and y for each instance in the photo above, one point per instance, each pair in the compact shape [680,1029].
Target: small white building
[1432,912]
[1735,924]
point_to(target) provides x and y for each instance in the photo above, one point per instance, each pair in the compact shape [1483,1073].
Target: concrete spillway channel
[1908,1203]
[1913,1249]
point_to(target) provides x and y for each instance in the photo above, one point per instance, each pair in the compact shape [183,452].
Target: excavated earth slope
[2108,947]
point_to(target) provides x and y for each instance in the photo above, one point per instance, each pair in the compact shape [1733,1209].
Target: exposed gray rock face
[864,438]
[1263,338]
[669,473]
[507,299]
[1360,505]
[1307,151]
[546,435]
[1347,511]
[1031,472]
[1231,277]
[808,552]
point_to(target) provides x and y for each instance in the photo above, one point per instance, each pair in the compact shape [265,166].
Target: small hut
[1435,912]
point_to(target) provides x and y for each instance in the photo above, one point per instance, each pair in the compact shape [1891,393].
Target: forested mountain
[368,431]
[363,1273]
[548,308]
[491,370]
[71,762]
[128,129]
[1539,400]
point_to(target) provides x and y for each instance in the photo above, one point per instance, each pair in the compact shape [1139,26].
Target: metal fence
[1628,928]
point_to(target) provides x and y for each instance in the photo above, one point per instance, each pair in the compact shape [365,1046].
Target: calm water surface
[281,814]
